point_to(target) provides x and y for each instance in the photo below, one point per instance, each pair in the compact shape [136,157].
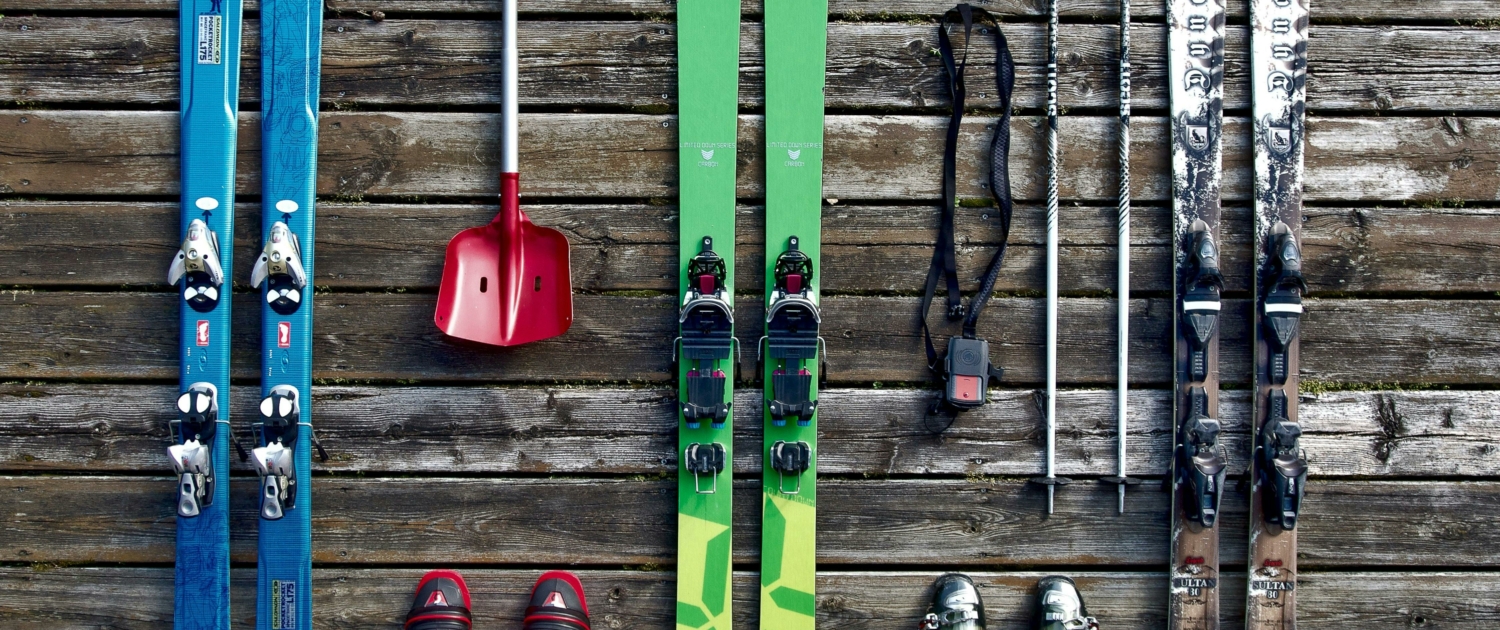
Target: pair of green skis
[708,34]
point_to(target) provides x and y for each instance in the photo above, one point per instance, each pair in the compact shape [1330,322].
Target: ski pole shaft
[509,150]
[1123,271]
[1052,238]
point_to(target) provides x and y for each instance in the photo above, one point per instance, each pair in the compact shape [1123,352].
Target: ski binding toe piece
[281,265]
[707,329]
[197,265]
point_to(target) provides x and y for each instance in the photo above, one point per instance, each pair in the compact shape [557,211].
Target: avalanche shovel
[506,283]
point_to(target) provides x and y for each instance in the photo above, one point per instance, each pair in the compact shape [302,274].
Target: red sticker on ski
[202,332]
[283,334]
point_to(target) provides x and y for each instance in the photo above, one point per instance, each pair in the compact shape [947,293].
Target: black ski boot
[442,603]
[557,604]
[955,605]
[1059,606]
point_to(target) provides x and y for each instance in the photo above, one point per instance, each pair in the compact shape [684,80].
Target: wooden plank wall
[504,462]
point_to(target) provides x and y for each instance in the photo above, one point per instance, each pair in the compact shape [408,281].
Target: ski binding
[197,265]
[704,459]
[1200,461]
[791,459]
[280,264]
[707,329]
[1282,466]
[792,322]
[192,455]
[1200,303]
[1283,299]
[280,414]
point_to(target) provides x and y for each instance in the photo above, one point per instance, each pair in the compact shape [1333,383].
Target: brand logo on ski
[283,334]
[283,605]
[555,600]
[202,332]
[707,155]
[794,154]
[1281,140]
[210,29]
[1194,585]
[1273,588]
[437,599]
[1197,137]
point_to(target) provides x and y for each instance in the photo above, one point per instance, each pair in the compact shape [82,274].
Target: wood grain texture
[886,66]
[141,598]
[866,249]
[634,156]
[121,335]
[1373,10]
[51,428]
[888,522]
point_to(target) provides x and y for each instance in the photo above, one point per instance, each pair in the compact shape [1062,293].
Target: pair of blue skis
[201,269]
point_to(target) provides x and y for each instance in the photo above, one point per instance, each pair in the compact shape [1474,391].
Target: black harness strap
[943,256]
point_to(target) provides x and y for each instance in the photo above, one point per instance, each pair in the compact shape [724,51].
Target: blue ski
[209,45]
[290,44]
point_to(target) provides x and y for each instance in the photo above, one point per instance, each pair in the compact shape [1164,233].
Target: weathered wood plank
[870,65]
[113,428]
[1371,10]
[141,598]
[870,339]
[634,156]
[949,522]
[866,249]
[391,336]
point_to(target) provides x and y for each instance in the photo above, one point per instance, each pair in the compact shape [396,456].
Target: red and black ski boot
[557,604]
[442,603]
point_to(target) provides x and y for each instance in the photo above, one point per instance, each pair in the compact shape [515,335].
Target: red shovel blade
[506,283]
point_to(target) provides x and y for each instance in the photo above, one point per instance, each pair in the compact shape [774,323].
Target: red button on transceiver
[966,387]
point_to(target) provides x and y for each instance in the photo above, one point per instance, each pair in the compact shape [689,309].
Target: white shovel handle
[509,162]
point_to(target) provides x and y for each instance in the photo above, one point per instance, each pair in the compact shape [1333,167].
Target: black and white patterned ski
[1195,72]
[1278,470]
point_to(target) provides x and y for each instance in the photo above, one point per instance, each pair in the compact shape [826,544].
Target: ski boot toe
[1059,606]
[442,603]
[557,603]
[956,605]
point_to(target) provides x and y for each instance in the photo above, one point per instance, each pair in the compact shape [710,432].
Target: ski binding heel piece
[706,326]
[192,455]
[1201,463]
[280,265]
[1281,465]
[280,414]
[792,324]
[790,459]
[704,459]
[1200,300]
[1282,304]
[197,266]
[968,372]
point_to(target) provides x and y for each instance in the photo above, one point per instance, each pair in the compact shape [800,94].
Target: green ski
[796,49]
[708,36]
